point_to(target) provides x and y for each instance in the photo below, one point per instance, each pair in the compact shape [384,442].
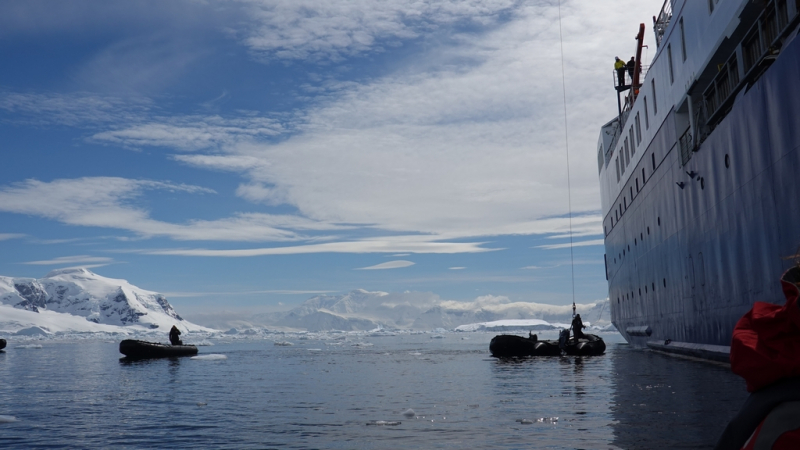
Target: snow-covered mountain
[97,299]
[365,310]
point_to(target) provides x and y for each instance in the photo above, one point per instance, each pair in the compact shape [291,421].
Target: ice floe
[7,419]
[210,357]
[388,423]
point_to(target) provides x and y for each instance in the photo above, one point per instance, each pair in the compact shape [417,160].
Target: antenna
[566,144]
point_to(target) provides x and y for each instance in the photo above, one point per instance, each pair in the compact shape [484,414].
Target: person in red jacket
[765,351]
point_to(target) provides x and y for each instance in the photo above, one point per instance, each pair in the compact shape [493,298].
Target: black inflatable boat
[590,345]
[506,345]
[142,349]
[2,344]
[509,345]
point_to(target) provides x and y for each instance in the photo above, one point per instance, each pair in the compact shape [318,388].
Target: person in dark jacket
[173,336]
[577,327]
[631,67]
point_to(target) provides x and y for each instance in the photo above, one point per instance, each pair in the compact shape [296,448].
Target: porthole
[665,282]
[727,161]
[702,183]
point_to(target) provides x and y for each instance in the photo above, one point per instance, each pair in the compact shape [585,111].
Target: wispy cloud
[308,29]
[574,244]
[457,268]
[107,202]
[79,259]
[7,236]
[389,265]
[412,244]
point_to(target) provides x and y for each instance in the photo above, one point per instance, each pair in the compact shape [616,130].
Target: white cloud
[390,244]
[457,268]
[389,265]
[308,29]
[574,244]
[107,202]
[79,259]
[7,236]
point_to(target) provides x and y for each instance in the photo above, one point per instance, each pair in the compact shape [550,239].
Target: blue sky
[253,153]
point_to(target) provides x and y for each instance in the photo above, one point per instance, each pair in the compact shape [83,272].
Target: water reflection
[665,402]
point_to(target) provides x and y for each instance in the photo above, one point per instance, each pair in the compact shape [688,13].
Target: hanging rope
[566,144]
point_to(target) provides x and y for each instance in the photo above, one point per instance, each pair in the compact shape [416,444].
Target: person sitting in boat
[532,336]
[577,327]
[173,336]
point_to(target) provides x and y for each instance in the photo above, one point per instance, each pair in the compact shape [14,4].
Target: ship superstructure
[698,172]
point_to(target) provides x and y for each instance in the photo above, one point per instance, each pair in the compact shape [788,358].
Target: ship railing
[686,145]
[759,48]
[661,22]
[628,78]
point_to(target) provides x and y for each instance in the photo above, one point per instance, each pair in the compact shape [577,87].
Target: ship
[699,173]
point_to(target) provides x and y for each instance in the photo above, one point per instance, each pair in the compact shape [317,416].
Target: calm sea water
[350,392]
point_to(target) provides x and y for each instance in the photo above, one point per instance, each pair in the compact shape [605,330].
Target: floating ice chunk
[387,423]
[29,346]
[283,343]
[315,349]
[409,413]
[211,357]
[202,404]
[361,344]
[525,421]
[415,354]
[7,419]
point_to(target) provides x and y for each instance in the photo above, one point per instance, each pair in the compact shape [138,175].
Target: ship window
[635,242]
[653,157]
[629,248]
[631,194]
[637,185]
[617,161]
[633,147]
[683,41]
[727,161]
[665,282]
[653,286]
[621,160]
[640,292]
[646,115]
[702,183]
[710,6]
[655,101]
[648,231]
[625,202]
[618,300]
[627,153]
[641,236]
[645,289]
[643,177]
[669,60]
[638,130]
[659,221]
[623,252]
